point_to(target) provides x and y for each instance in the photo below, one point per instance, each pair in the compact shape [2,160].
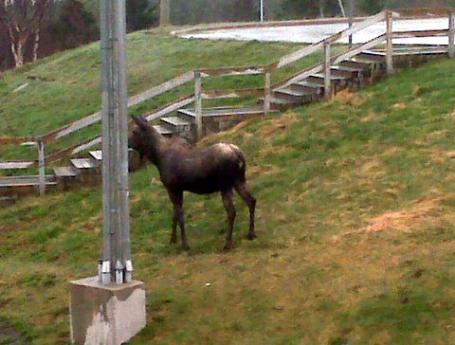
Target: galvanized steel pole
[262,10]
[116,263]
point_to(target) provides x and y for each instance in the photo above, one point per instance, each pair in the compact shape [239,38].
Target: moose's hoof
[173,240]
[186,247]
[251,236]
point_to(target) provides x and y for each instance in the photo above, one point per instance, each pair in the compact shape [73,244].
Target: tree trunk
[36,45]
[165,13]
[343,12]
[321,9]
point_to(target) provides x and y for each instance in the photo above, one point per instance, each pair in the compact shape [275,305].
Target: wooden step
[292,95]
[370,57]
[13,165]
[177,123]
[277,103]
[65,172]
[97,155]
[355,64]
[348,68]
[84,163]
[342,72]
[25,181]
[222,112]
[163,130]
[312,88]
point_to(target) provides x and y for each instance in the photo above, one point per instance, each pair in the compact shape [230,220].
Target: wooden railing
[199,95]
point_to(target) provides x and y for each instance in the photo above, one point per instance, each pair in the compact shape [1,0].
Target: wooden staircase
[354,67]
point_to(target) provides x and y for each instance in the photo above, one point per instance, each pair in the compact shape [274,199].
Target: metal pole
[351,20]
[198,103]
[116,260]
[41,167]
[262,10]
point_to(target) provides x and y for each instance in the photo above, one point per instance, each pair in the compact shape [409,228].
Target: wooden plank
[389,43]
[156,114]
[288,59]
[267,93]
[160,89]
[327,71]
[231,71]
[198,104]
[135,100]
[98,140]
[234,93]
[420,33]
[16,165]
[357,50]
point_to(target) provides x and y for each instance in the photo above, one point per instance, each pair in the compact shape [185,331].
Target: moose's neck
[153,147]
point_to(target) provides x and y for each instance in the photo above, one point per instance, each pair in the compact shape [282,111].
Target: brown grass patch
[399,106]
[266,169]
[420,212]
[279,124]
[349,98]
[370,117]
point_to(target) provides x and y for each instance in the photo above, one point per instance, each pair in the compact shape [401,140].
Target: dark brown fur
[183,167]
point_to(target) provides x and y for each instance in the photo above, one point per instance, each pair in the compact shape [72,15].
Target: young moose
[182,167]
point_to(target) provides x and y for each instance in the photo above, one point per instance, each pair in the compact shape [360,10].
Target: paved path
[316,32]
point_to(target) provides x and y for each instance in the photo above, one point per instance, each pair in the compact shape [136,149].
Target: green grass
[356,215]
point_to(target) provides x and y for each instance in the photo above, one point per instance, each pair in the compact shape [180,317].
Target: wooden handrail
[293,57]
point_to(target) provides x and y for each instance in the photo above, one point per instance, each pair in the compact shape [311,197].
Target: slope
[355,221]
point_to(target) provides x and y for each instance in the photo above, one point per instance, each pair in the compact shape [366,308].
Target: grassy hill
[356,226]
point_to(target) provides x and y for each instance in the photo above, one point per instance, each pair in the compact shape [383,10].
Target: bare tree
[22,20]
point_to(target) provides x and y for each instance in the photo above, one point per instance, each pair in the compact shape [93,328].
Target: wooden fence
[200,95]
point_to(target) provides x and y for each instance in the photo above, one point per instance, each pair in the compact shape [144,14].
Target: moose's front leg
[179,217]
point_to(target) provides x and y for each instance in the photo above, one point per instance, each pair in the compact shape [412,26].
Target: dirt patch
[370,117]
[349,98]
[399,106]
[421,211]
[279,124]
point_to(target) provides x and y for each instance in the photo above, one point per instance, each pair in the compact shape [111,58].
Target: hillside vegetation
[356,226]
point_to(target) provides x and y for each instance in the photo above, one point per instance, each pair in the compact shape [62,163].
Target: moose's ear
[140,121]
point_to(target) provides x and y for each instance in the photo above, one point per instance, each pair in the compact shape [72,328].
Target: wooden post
[41,166]
[452,34]
[327,72]
[198,103]
[389,44]
[267,92]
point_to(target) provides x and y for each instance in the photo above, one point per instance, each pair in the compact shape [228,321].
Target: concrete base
[105,314]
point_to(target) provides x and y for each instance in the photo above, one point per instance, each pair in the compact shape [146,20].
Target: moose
[185,167]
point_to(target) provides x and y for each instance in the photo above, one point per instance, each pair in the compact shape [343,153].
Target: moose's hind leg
[228,202]
[244,193]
